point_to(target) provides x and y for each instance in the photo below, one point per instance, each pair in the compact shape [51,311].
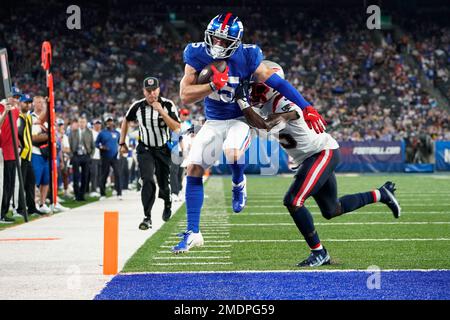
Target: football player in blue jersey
[225,128]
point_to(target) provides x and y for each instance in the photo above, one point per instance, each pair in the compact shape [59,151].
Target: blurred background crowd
[388,84]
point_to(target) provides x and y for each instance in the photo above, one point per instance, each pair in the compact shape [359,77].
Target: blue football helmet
[226,27]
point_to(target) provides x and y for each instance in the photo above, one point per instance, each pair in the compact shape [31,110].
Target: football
[206,74]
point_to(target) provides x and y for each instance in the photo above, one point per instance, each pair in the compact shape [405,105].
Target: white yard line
[399,223]
[330,240]
[197,252]
[403,205]
[173,257]
[205,246]
[186,263]
[286,271]
[286,213]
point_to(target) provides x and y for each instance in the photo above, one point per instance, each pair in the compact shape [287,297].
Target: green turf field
[264,237]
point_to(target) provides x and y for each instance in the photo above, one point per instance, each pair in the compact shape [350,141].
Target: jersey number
[226,94]
[287,141]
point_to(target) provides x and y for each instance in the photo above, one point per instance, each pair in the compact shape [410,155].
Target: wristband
[243,104]
[122,144]
[212,86]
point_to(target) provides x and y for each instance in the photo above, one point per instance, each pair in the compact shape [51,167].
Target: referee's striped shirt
[153,131]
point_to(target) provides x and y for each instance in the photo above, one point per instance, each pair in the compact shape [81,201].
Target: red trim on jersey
[225,21]
[275,102]
[305,192]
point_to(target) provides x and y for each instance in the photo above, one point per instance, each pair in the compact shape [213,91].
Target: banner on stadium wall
[373,156]
[442,154]
[266,157]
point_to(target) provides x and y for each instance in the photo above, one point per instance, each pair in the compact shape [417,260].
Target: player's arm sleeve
[287,90]
[254,58]
[190,58]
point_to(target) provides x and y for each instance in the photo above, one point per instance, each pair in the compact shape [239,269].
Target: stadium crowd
[364,83]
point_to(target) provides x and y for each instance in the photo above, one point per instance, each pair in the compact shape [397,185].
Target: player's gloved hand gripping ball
[219,79]
[314,120]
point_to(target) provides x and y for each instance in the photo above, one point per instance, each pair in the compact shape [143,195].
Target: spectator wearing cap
[82,148]
[156,116]
[108,143]
[24,125]
[6,145]
[96,164]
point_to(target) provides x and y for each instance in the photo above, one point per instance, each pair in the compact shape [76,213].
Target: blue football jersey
[221,105]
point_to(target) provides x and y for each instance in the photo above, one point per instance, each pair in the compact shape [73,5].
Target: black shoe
[36,212]
[316,258]
[146,224]
[387,192]
[7,219]
[166,213]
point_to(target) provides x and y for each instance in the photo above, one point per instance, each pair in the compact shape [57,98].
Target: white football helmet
[260,92]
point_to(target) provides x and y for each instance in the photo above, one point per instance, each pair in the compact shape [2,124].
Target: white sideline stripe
[284,271]
[188,263]
[202,251]
[332,240]
[186,257]
[339,223]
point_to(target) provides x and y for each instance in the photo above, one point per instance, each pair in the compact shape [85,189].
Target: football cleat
[387,192]
[167,212]
[239,196]
[317,258]
[188,241]
[146,224]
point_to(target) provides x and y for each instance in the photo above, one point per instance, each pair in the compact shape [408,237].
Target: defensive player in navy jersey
[225,128]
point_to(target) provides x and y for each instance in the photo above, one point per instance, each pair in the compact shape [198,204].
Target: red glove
[219,79]
[314,119]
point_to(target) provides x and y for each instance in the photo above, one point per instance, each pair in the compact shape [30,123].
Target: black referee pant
[154,161]
[29,182]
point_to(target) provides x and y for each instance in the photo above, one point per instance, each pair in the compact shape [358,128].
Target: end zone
[281,285]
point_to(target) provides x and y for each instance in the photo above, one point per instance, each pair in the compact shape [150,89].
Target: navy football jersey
[221,105]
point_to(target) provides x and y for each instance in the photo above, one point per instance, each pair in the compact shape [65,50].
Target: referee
[156,116]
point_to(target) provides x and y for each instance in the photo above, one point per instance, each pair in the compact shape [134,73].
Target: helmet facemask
[217,51]
[260,92]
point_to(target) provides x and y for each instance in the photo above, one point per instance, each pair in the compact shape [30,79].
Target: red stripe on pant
[374,195]
[305,192]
